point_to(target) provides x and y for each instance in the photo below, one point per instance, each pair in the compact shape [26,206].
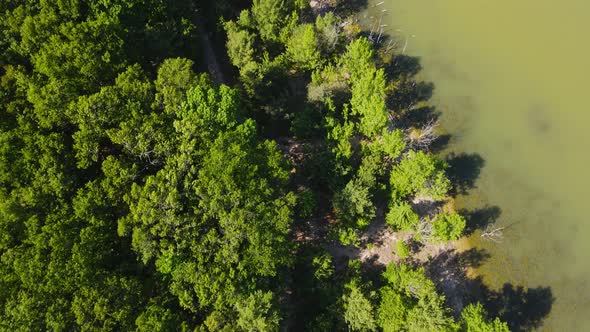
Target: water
[511,83]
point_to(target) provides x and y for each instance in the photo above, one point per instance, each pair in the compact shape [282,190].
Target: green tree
[302,47]
[402,250]
[358,59]
[216,227]
[368,102]
[371,170]
[358,310]
[270,17]
[95,115]
[474,319]
[354,206]
[340,134]
[429,315]
[256,313]
[160,316]
[240,47]
[448,227]
[68,60]
[175,78]
[401,216]
[207,112]
[393,310]
[410,302]
[419,174]
[392,143]
[110,305]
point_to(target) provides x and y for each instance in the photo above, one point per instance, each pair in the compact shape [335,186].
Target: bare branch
[494,234]
[424,228]
[424,137]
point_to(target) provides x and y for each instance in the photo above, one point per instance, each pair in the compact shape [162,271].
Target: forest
[148,184]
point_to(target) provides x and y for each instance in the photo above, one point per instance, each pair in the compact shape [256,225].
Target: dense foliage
[138,194]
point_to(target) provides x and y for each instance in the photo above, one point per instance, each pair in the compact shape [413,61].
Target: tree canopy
[137,193]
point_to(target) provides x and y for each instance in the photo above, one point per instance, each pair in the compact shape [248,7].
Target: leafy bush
[353,205]
[302,47]
[402,250]
[325,83]
[358,58]
[370,170]
[257,313]
[448,227]
[348,236]
[401,216]
[323,266]
[474,319]
[306,204]
[393,310]
[392,143]
[358,309]
[419,174]
[306,123]
[409,302]
[328,31]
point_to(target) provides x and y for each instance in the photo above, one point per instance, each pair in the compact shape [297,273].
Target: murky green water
[511,81]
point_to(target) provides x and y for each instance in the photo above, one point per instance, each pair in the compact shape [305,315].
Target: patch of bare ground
[444,263]
[449,275]
[377,242]
[292,149]
[208,53]
[320,6]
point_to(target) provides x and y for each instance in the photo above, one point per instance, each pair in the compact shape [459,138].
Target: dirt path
[213,66]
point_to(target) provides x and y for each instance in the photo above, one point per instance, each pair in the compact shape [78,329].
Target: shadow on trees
[463,171]
[275,98]
[313,298]
[480,218]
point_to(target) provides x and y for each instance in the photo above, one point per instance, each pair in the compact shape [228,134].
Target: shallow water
[511,84]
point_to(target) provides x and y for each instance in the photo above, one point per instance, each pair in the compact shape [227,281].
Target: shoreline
[454,276]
